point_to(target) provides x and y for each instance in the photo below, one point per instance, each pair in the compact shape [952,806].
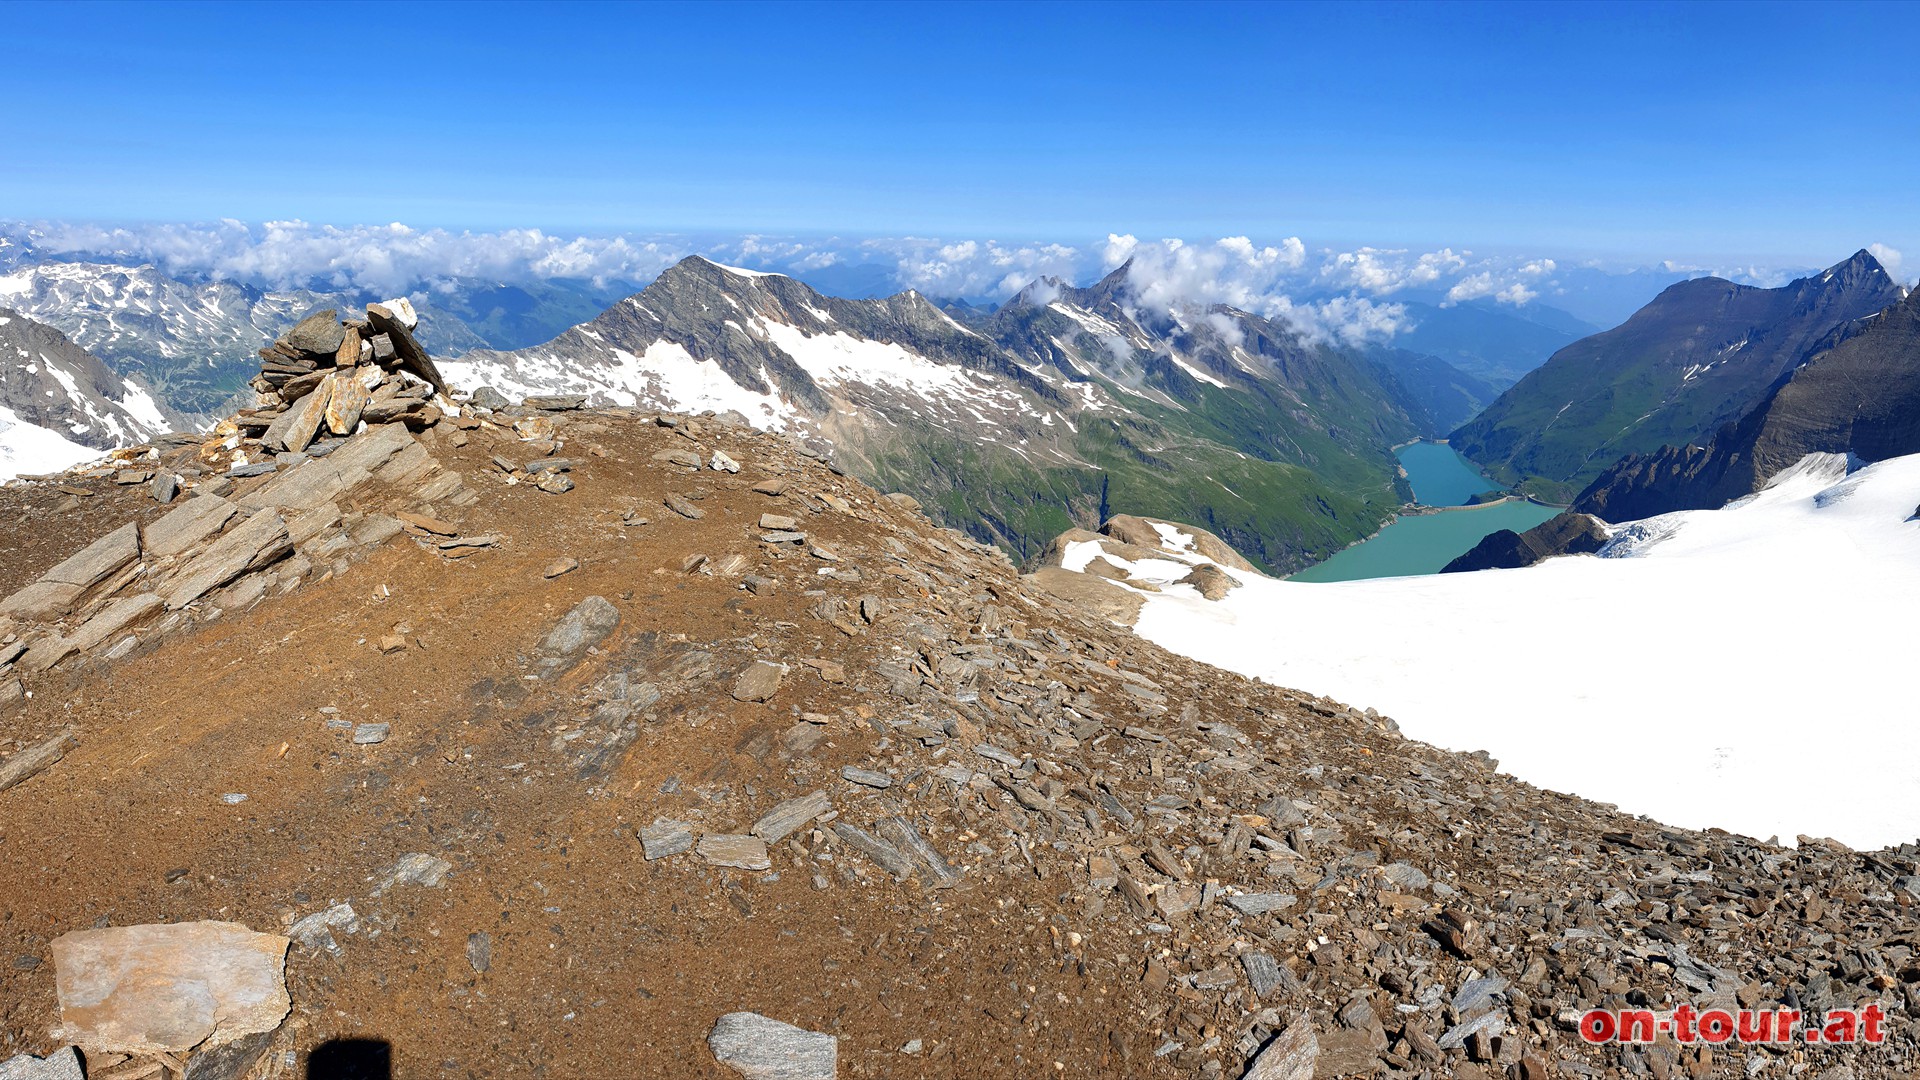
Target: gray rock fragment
[319,332]
[369,734]
[587,625]
[885,855]
[901,834]
[416,868]
[1476,994]
[1292,1055]
[35,759]
[776,824]
[1262,972]
[866,777]
[761,1048]
[480,951]
[1489,1022]
[684,508]
[62,1064]
[741,852]
[664,838]
[316,930]
[1260,903]
[1405,875]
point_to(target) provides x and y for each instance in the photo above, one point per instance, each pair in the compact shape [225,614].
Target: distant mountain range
[1702,353]
[1496,343]
[1060,407]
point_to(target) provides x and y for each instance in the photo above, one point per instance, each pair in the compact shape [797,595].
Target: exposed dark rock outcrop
[1564,534]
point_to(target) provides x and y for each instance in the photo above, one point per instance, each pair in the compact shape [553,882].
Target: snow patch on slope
[665,375]
[1746,668]
[30,450]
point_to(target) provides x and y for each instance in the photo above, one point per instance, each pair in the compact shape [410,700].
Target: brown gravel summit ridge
[801,782]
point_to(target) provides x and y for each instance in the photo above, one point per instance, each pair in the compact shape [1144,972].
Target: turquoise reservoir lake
[1423,543]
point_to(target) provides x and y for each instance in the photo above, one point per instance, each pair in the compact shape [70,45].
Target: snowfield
[30,450]
[1749,668]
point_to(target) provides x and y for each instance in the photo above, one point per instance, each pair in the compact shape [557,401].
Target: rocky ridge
[1562,534]
[1701,354]
[713,757]
[1860,397]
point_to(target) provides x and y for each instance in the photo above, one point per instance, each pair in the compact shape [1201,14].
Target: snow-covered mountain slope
[1061,409]
[1747,668]
[705,336]
[59,405]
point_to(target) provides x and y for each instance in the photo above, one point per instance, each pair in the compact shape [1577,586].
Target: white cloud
[1345,320]
[1232,271]
[975,267]
[379,258]
[1381,271]
[1330,294]
[1506,284]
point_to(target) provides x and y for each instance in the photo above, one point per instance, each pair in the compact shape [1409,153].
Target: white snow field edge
[1749,668]
[30,450]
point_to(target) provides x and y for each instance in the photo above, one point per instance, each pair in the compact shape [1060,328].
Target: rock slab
[1293,1055]
[167,988]
[762,1048]
[759,681]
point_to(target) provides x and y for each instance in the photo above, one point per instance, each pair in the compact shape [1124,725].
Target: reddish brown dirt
[603,964]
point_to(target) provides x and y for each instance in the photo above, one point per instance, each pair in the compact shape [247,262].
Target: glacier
[1747,668]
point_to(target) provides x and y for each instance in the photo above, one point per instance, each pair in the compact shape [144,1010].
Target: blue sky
[1777,132]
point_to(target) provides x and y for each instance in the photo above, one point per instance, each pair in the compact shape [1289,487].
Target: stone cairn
[327,467]
[327,376]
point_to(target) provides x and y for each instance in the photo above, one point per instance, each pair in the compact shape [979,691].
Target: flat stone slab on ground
[664,838]
[762,1048]
[865,777]
[742,852]
[759,682]
[169,987]
[775,825]
[1293,1055]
